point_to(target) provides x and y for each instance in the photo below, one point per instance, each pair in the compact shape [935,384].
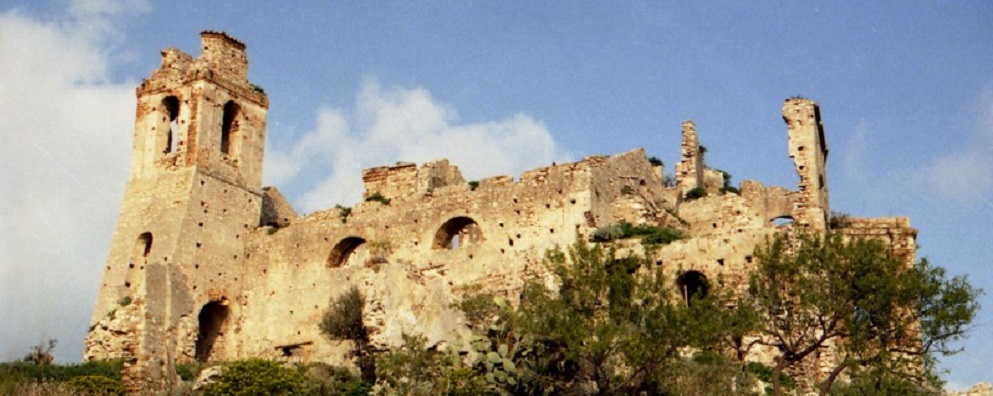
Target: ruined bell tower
[809,151]
[171,278]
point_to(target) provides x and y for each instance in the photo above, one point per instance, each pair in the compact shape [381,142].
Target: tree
[613,326]
[343,321]
[880,314]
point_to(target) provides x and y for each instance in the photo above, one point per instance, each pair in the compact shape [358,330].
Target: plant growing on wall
[343,321]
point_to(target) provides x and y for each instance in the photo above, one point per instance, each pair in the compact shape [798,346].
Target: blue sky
[906,92]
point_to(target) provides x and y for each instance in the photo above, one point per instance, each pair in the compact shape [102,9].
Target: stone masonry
[207,265]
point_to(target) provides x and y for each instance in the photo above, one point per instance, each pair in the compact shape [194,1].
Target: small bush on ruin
[95,385]
[608,233]
[257,377]
[627,190]
[730,190]
[839,220]
[477,305]
[695,193]
[124,301]
[343,212]
[473,185]
[377,197]
[649,234]
[655,161]
[343,321]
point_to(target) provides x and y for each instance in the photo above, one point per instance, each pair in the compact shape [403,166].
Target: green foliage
[377,197]
[878,382]
[813,290]
[612,326]
[30,372]
[477,306]
[764,373]
[839,220]
[95,385]
[473,185]
[188,371]
[608,233]
[727,180]
[649,234]
[324,379]
[343,212]
[124,301]
[414,369]
[705,374]
[29,378]
[655,161]
[343,320]
[627,190]
[695,193]
[730,189]
[256,377]
[258,89]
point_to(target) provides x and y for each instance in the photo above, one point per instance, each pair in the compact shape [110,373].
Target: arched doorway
[212,319]
[692,285]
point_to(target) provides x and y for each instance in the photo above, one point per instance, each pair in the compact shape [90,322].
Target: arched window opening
[343,251]
[212,319]
[692,285]
[782,221]
[230,128]
[171,105]
[457,233]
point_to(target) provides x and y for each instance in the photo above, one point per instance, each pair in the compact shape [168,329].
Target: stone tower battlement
[206,264]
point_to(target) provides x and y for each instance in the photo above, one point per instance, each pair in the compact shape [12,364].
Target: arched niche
[343,251]
[457,233]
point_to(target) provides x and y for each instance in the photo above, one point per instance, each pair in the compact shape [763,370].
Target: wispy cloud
[400,124]
[63,163]
[965,175]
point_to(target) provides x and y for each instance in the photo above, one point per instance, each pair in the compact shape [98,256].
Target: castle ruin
[206,264]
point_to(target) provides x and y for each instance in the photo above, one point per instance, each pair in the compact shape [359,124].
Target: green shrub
[839,220]
[764,373]
[377,197]
[649,234]
[28,372]
[730,189]
[655,161]
[627,190]
[695,193]
[188,371]
[478,306]
[95,385]
[256,377]
[124,301]
[608,233]
[325,379]
[343,212]
[473,185]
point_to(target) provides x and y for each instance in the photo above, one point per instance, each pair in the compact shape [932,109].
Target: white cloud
[397,124]
[966,174]
[63,163]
